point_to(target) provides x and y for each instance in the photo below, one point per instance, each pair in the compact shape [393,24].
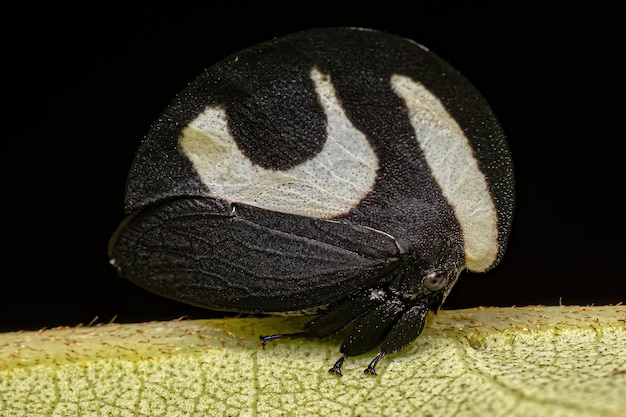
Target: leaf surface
[531,361]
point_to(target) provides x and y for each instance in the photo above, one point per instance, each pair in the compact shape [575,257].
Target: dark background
[81,88]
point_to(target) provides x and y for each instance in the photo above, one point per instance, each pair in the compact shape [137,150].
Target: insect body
[342,170]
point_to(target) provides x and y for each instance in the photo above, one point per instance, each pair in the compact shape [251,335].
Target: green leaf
[532,361]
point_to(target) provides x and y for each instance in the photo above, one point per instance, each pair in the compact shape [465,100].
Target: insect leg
[335,318]
[266,339]
[406,329]
[336,369]
[403,332]
[343,313]
[370,368]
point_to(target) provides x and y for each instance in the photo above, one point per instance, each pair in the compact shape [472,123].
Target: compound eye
[435,281]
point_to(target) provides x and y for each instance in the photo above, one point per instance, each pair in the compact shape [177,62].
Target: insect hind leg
[266,339]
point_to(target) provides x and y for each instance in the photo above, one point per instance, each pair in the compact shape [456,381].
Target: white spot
[328,185]
[452,164]
[377,294]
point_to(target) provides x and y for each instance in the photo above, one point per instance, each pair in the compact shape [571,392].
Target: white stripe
[328,185]
[452,164]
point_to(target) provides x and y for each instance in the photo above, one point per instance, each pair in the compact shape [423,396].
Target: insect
[342,172]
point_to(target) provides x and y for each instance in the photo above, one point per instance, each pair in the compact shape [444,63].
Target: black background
[81,88]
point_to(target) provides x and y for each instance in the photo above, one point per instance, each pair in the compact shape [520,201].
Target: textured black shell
[183,242]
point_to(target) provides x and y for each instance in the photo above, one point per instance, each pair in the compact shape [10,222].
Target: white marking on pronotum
[328,185]
[452,163]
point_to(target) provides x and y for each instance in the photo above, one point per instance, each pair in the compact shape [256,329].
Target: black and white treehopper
[344,172]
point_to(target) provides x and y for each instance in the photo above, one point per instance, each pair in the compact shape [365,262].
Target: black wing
[223,256]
